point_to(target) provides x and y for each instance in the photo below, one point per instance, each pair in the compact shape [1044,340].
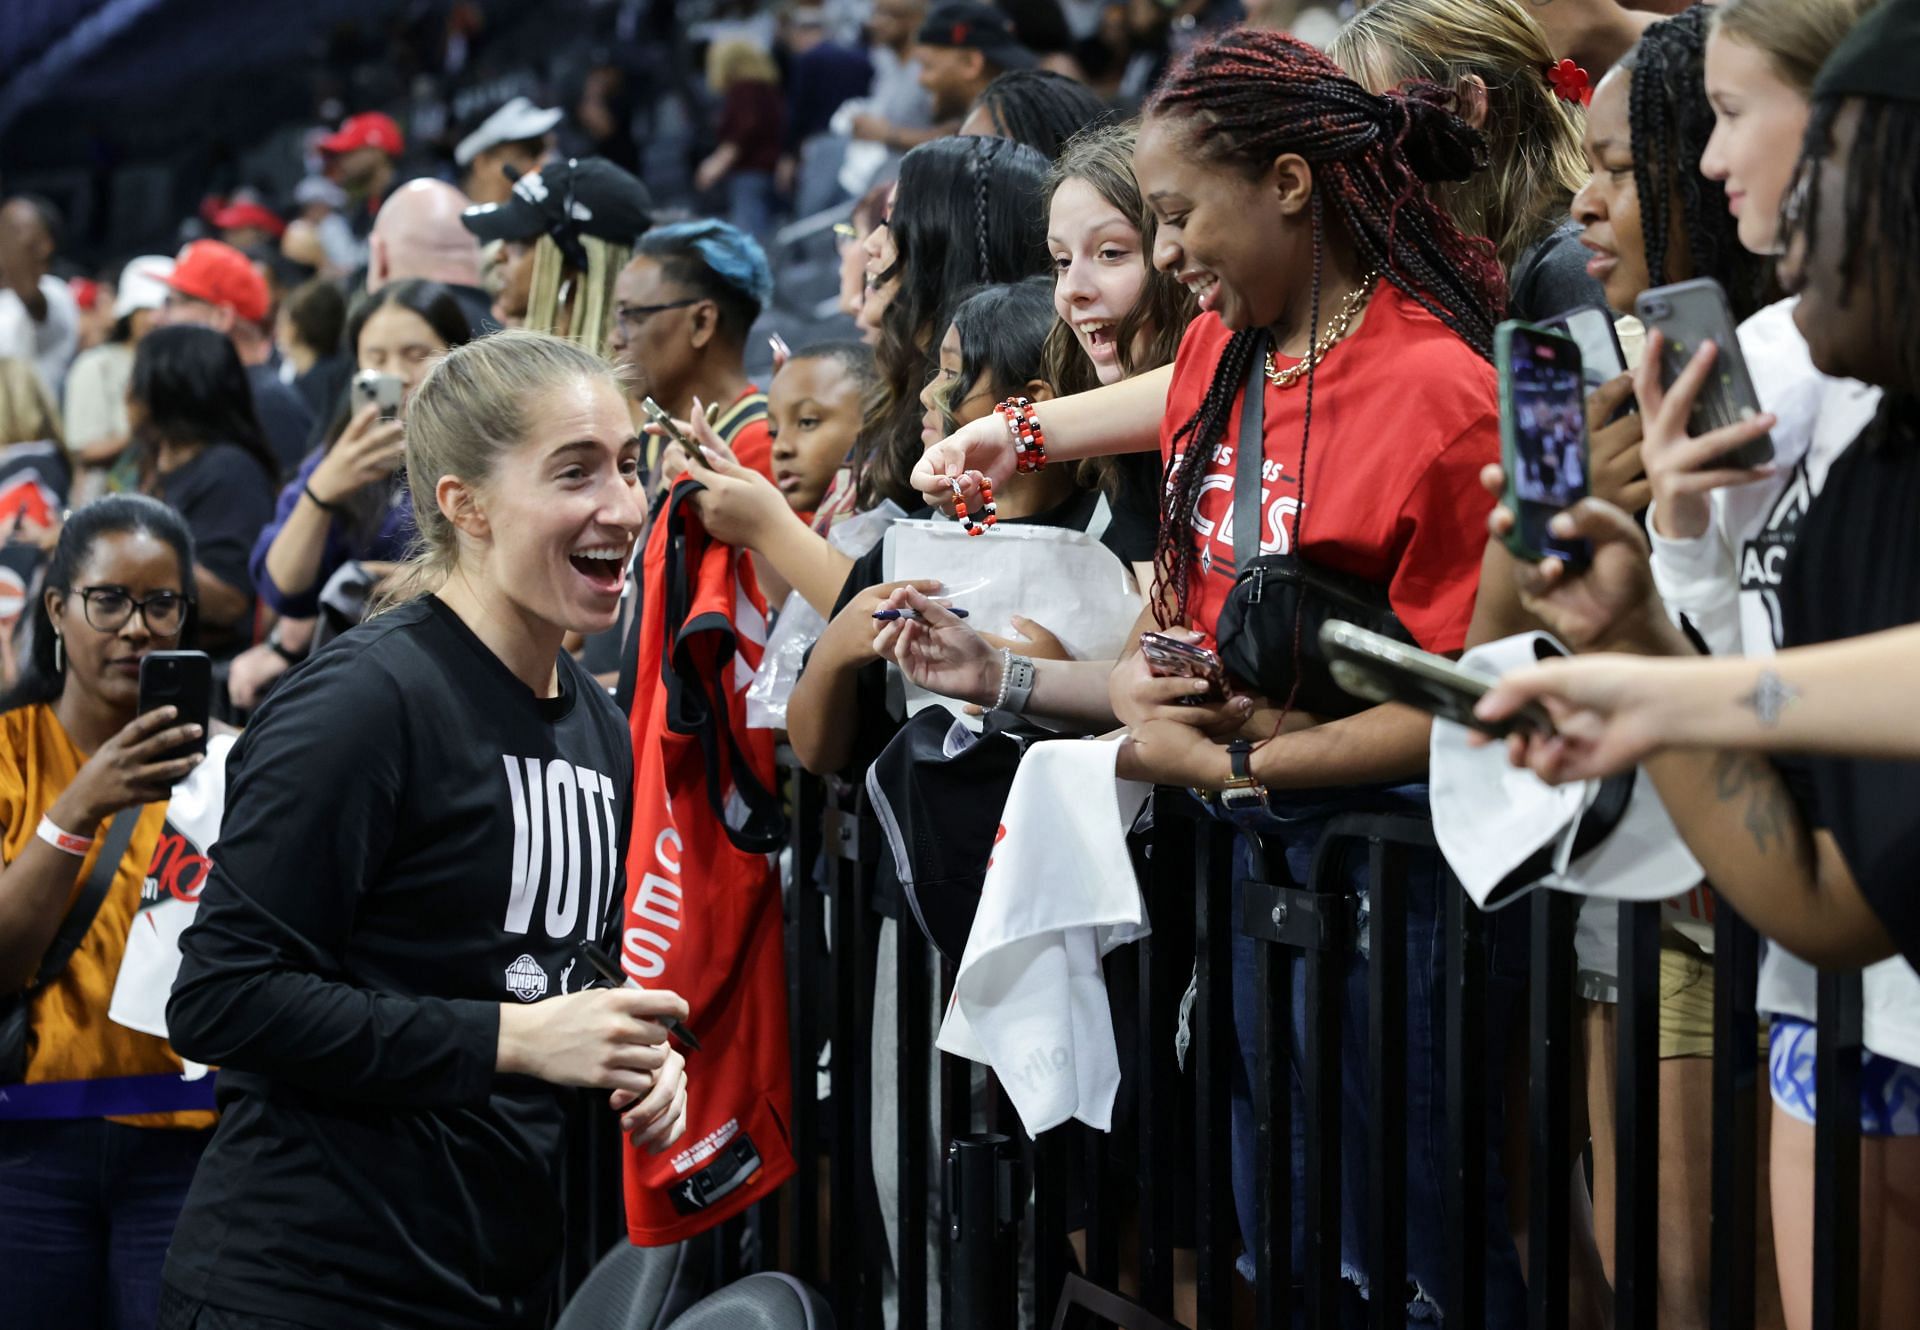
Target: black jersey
[412,839]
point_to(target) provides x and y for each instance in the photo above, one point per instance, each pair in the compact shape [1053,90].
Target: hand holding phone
[182,680]
[386,391]
[1543,438]
[1687,315]
[1383,670]
[1169,657]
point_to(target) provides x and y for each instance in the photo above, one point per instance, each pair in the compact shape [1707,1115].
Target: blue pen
[913,615]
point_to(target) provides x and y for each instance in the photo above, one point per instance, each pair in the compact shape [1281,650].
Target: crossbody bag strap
[113,848]
[1249,458]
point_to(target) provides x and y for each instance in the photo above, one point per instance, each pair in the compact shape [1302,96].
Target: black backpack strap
[1249,459]
[80,917]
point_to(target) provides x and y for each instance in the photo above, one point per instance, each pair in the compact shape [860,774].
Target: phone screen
[1546,396]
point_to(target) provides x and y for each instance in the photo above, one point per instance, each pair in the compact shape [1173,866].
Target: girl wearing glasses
[92,1180]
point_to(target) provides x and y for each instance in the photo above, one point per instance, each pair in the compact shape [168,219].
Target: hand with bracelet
[943,655]
[367,453]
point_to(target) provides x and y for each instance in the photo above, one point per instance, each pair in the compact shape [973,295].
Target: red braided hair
[1251,95]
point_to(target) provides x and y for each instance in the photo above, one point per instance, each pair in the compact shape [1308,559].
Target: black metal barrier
[1150,1205]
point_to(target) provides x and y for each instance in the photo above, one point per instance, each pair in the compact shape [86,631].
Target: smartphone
[1591,328]
[1543,437]
[385,391]
[658,415]
[181,679]
[1686,315]
[1383,670]
[1169,657]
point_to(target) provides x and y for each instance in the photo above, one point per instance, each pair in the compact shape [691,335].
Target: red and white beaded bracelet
[1029,440]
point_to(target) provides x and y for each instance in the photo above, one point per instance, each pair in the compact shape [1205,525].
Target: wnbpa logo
[564,840]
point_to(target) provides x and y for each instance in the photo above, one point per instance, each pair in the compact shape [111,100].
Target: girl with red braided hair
[1343,307]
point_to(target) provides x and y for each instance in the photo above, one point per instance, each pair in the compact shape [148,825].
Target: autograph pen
[602,962]
[911,615]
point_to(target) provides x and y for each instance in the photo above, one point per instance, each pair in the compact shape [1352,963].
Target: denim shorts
[1291,829]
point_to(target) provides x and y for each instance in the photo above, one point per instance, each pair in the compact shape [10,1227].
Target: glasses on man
[630,317]
[108,608]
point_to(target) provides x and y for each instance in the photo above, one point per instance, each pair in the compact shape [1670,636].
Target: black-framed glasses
[630,317]
[107,609]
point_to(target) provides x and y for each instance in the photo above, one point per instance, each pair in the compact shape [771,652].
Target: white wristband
[64,841]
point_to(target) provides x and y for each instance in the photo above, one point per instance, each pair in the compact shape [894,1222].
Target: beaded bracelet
[988,513]
[1029,440]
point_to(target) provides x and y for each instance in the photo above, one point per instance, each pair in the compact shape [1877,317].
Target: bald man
[418,234]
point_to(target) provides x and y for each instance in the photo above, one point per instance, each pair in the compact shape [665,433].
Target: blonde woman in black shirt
[423,823]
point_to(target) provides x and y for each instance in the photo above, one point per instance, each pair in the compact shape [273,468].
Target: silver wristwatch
[1016,686]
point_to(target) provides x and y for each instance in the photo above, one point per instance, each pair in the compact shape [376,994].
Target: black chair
[759,1302]
[633,1288]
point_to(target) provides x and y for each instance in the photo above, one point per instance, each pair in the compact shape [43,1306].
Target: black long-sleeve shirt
[412,838]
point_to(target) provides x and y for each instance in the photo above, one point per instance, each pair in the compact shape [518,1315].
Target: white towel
[1030,1000]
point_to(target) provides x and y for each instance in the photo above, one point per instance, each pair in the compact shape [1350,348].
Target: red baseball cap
[369,129]
[219,274]
[234,216]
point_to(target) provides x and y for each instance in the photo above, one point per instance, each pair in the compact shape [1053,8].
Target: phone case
[1574,553]
[1382,670]
[1687,314]
[182,679]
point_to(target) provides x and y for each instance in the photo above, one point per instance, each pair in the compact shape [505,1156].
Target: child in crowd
[814,408]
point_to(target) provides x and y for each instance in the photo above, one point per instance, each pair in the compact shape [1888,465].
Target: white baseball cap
[1504,831]
[518,119]
[143,284]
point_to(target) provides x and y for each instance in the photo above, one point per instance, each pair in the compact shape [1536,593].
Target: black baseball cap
[977,27]
[582,196]
[1877,59]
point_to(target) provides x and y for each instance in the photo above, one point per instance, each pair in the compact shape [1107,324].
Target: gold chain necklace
[1336,329]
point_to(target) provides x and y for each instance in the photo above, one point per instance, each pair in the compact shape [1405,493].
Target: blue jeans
[1291,829]
[87,1208]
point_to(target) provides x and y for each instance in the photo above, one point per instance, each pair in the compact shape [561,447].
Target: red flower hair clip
[1570,82]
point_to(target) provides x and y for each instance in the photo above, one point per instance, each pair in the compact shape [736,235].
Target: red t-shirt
[1405,415]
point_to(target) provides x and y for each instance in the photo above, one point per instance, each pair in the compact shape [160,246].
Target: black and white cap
[514,122]
[582,196]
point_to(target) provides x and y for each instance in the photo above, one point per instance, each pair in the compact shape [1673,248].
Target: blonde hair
[573,304]
[1534,134]
[1796,36]
[738,60]
[472,407]
[27,410]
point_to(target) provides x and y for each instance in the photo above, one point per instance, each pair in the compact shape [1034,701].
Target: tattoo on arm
[1765,808]
[1771,696]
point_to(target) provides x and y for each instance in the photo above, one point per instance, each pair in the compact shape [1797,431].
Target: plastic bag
[799,625]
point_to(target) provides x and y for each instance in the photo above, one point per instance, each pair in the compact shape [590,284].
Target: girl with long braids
[1294,204]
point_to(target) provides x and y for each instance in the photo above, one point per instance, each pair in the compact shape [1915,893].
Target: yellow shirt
[69,1037]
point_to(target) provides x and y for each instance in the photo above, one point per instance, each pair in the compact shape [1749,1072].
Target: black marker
[612,973]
